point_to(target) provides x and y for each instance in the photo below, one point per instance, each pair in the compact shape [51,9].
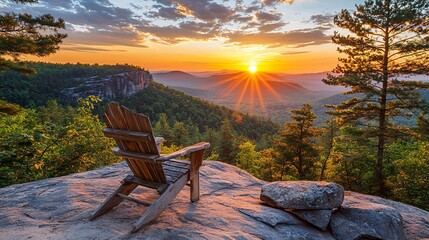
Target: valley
[265,95]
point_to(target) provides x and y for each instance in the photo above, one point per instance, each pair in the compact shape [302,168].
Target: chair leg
[113,200]
[161,203]
[195,187]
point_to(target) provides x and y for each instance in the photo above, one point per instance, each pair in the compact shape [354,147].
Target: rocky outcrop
[317,218]
[110,87]
[320,204]
[229,208]
[309,200]
[303,195]
[367,221]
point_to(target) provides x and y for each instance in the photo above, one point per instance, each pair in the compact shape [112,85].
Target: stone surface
[303,195]
[110,87]
[367,221]
[416,220]
[229,208]
[318,218]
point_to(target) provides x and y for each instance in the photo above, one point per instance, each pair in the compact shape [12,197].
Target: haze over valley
[263,94]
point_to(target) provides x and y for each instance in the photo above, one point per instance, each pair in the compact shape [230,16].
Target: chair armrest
[158,141]
[184,151]
[164,157]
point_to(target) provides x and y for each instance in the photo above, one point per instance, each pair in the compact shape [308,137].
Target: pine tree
[389,40]
[24,34]
[297,151]
[247,157]
[327,141]
[227,146]
[423,128]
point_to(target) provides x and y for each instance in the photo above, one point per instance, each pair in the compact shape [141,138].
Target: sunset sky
[196,35]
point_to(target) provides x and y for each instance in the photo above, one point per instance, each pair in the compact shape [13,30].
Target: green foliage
[352,161]
[423,127]
[24,34]
[410,181]
[247,158]
[389,39]
[228,146]
[268,169]
[298,154]
[326,142]
[9,108]
[54,141]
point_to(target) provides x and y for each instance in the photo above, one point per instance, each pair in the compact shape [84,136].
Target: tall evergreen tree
[228,146]
[24,34]
[389,40]
[327,141]
[423,128]
[247,157]
[296,148]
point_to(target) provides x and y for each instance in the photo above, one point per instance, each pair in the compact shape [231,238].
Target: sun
[253,68]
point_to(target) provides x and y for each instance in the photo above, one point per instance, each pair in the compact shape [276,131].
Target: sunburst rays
[249,89]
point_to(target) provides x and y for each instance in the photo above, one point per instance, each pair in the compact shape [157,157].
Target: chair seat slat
[177,164]
[175,169]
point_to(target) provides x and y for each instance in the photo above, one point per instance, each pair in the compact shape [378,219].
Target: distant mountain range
[233,85]
[264,94]
[309,81]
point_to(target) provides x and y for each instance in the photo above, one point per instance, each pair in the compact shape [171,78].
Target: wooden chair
[141,150]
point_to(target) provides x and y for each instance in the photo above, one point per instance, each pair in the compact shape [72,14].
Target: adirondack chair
[141,150]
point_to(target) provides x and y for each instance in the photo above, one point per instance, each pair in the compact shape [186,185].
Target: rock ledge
[229,208]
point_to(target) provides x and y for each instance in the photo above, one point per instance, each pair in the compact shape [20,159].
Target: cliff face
[110,87]
[229,208]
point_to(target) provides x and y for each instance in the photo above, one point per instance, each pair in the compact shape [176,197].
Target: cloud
[184,31]
[78,48]
[323,20]
[103,23]
[273,2]
[136,6]
[167,13]
[242,19]
[295,53]
[271,27]
[207,10]
[238,22]
[268,17]
[296,38]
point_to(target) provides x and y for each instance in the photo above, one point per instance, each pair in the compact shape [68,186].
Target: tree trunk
[328,154]
[381,142]
[382,116]
[380,155]
[300,155]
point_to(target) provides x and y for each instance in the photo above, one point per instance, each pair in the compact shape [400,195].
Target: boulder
[318,218]
[303,195]
[416,220]
[367,221]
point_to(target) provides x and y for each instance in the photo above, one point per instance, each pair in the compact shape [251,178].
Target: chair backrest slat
[126,135]
[125,127]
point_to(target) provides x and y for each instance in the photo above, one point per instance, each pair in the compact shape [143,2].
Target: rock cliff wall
[110,87]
